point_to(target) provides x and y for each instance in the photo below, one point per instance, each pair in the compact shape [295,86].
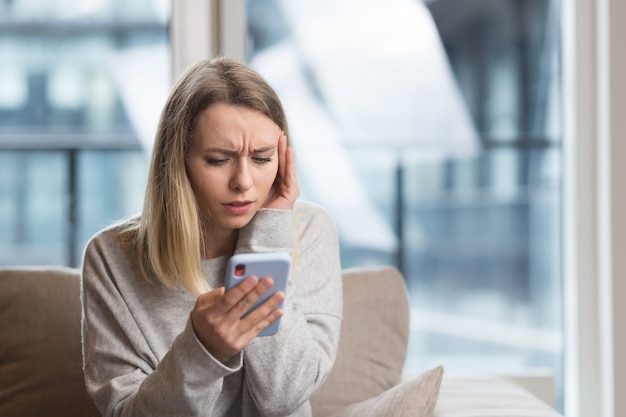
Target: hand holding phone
[273,265]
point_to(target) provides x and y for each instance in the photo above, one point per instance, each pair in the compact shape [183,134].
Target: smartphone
[274,265]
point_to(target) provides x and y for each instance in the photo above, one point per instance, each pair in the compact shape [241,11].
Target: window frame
[594,222]
[193,39]
[594,216]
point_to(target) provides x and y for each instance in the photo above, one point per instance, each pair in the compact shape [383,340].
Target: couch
[40,355]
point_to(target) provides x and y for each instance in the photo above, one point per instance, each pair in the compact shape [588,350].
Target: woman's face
[232,162]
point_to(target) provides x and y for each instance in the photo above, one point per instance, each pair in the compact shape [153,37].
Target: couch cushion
[373,342]
[465,395]
[40,354]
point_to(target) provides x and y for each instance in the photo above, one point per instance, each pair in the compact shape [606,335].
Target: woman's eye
[261,160]
[215,161]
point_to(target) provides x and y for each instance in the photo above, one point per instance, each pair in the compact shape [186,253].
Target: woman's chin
[238,223]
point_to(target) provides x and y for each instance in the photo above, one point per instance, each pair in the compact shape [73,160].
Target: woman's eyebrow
[265,149]
[231,152]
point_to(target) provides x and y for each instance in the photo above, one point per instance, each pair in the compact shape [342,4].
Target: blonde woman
[161,335]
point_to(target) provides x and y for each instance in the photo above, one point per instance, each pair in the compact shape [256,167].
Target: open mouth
[238,207]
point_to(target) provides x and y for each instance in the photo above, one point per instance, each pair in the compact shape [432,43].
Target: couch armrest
[40,347]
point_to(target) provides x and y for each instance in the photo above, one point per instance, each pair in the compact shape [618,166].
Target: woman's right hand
[286,189]
[217,316]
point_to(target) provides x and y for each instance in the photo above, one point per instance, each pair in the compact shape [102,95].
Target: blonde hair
[169,237]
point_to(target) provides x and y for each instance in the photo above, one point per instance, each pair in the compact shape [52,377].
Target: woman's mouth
[238,207]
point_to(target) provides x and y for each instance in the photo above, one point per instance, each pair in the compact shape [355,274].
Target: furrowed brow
[265,149]
[222,151]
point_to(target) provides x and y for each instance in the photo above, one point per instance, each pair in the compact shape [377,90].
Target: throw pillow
[412,398]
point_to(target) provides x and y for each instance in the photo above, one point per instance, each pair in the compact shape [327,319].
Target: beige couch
[40,362]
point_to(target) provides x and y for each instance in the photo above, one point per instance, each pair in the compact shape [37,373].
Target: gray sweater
[141,354]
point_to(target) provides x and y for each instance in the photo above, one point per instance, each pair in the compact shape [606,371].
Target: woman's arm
[123,373]
[283,371]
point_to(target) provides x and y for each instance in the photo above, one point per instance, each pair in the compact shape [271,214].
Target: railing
[71,145]
[519,143]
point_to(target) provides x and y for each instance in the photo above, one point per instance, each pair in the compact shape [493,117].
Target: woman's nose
[241,179]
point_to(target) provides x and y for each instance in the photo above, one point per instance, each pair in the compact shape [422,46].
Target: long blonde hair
[169,237]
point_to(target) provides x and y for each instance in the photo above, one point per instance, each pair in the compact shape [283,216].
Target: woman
[161,336]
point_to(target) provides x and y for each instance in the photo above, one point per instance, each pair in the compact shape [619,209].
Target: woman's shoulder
[308,212]
[112,249]
[116,235]
[309,208]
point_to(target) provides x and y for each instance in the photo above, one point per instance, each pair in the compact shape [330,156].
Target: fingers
[290,174]
[287,188]
[282,157]
[258,326]
[236,301]
[263,315]
[220,321]
[287,170]
[287,165]
[265,308]
[239,300]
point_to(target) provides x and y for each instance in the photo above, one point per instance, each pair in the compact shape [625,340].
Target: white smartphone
[274,265]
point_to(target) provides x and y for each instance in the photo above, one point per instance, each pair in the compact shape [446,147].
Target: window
[431,131]
[71,128]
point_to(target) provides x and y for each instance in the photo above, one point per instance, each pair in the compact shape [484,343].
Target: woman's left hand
[286,189]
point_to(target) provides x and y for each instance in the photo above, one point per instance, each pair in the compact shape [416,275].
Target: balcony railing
[70,145]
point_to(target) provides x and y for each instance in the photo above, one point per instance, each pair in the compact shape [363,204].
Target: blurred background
[431,130]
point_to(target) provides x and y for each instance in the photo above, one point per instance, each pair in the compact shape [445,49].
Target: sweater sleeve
[284,370]
[122,372]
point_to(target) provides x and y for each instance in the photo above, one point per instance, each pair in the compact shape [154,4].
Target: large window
[81,85]
[431,130]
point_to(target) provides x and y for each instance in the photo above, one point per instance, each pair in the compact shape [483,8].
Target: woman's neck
[219,242]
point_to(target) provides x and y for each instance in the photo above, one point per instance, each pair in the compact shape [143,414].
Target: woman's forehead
[228,126]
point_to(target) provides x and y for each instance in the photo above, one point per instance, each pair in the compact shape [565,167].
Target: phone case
[274,265]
